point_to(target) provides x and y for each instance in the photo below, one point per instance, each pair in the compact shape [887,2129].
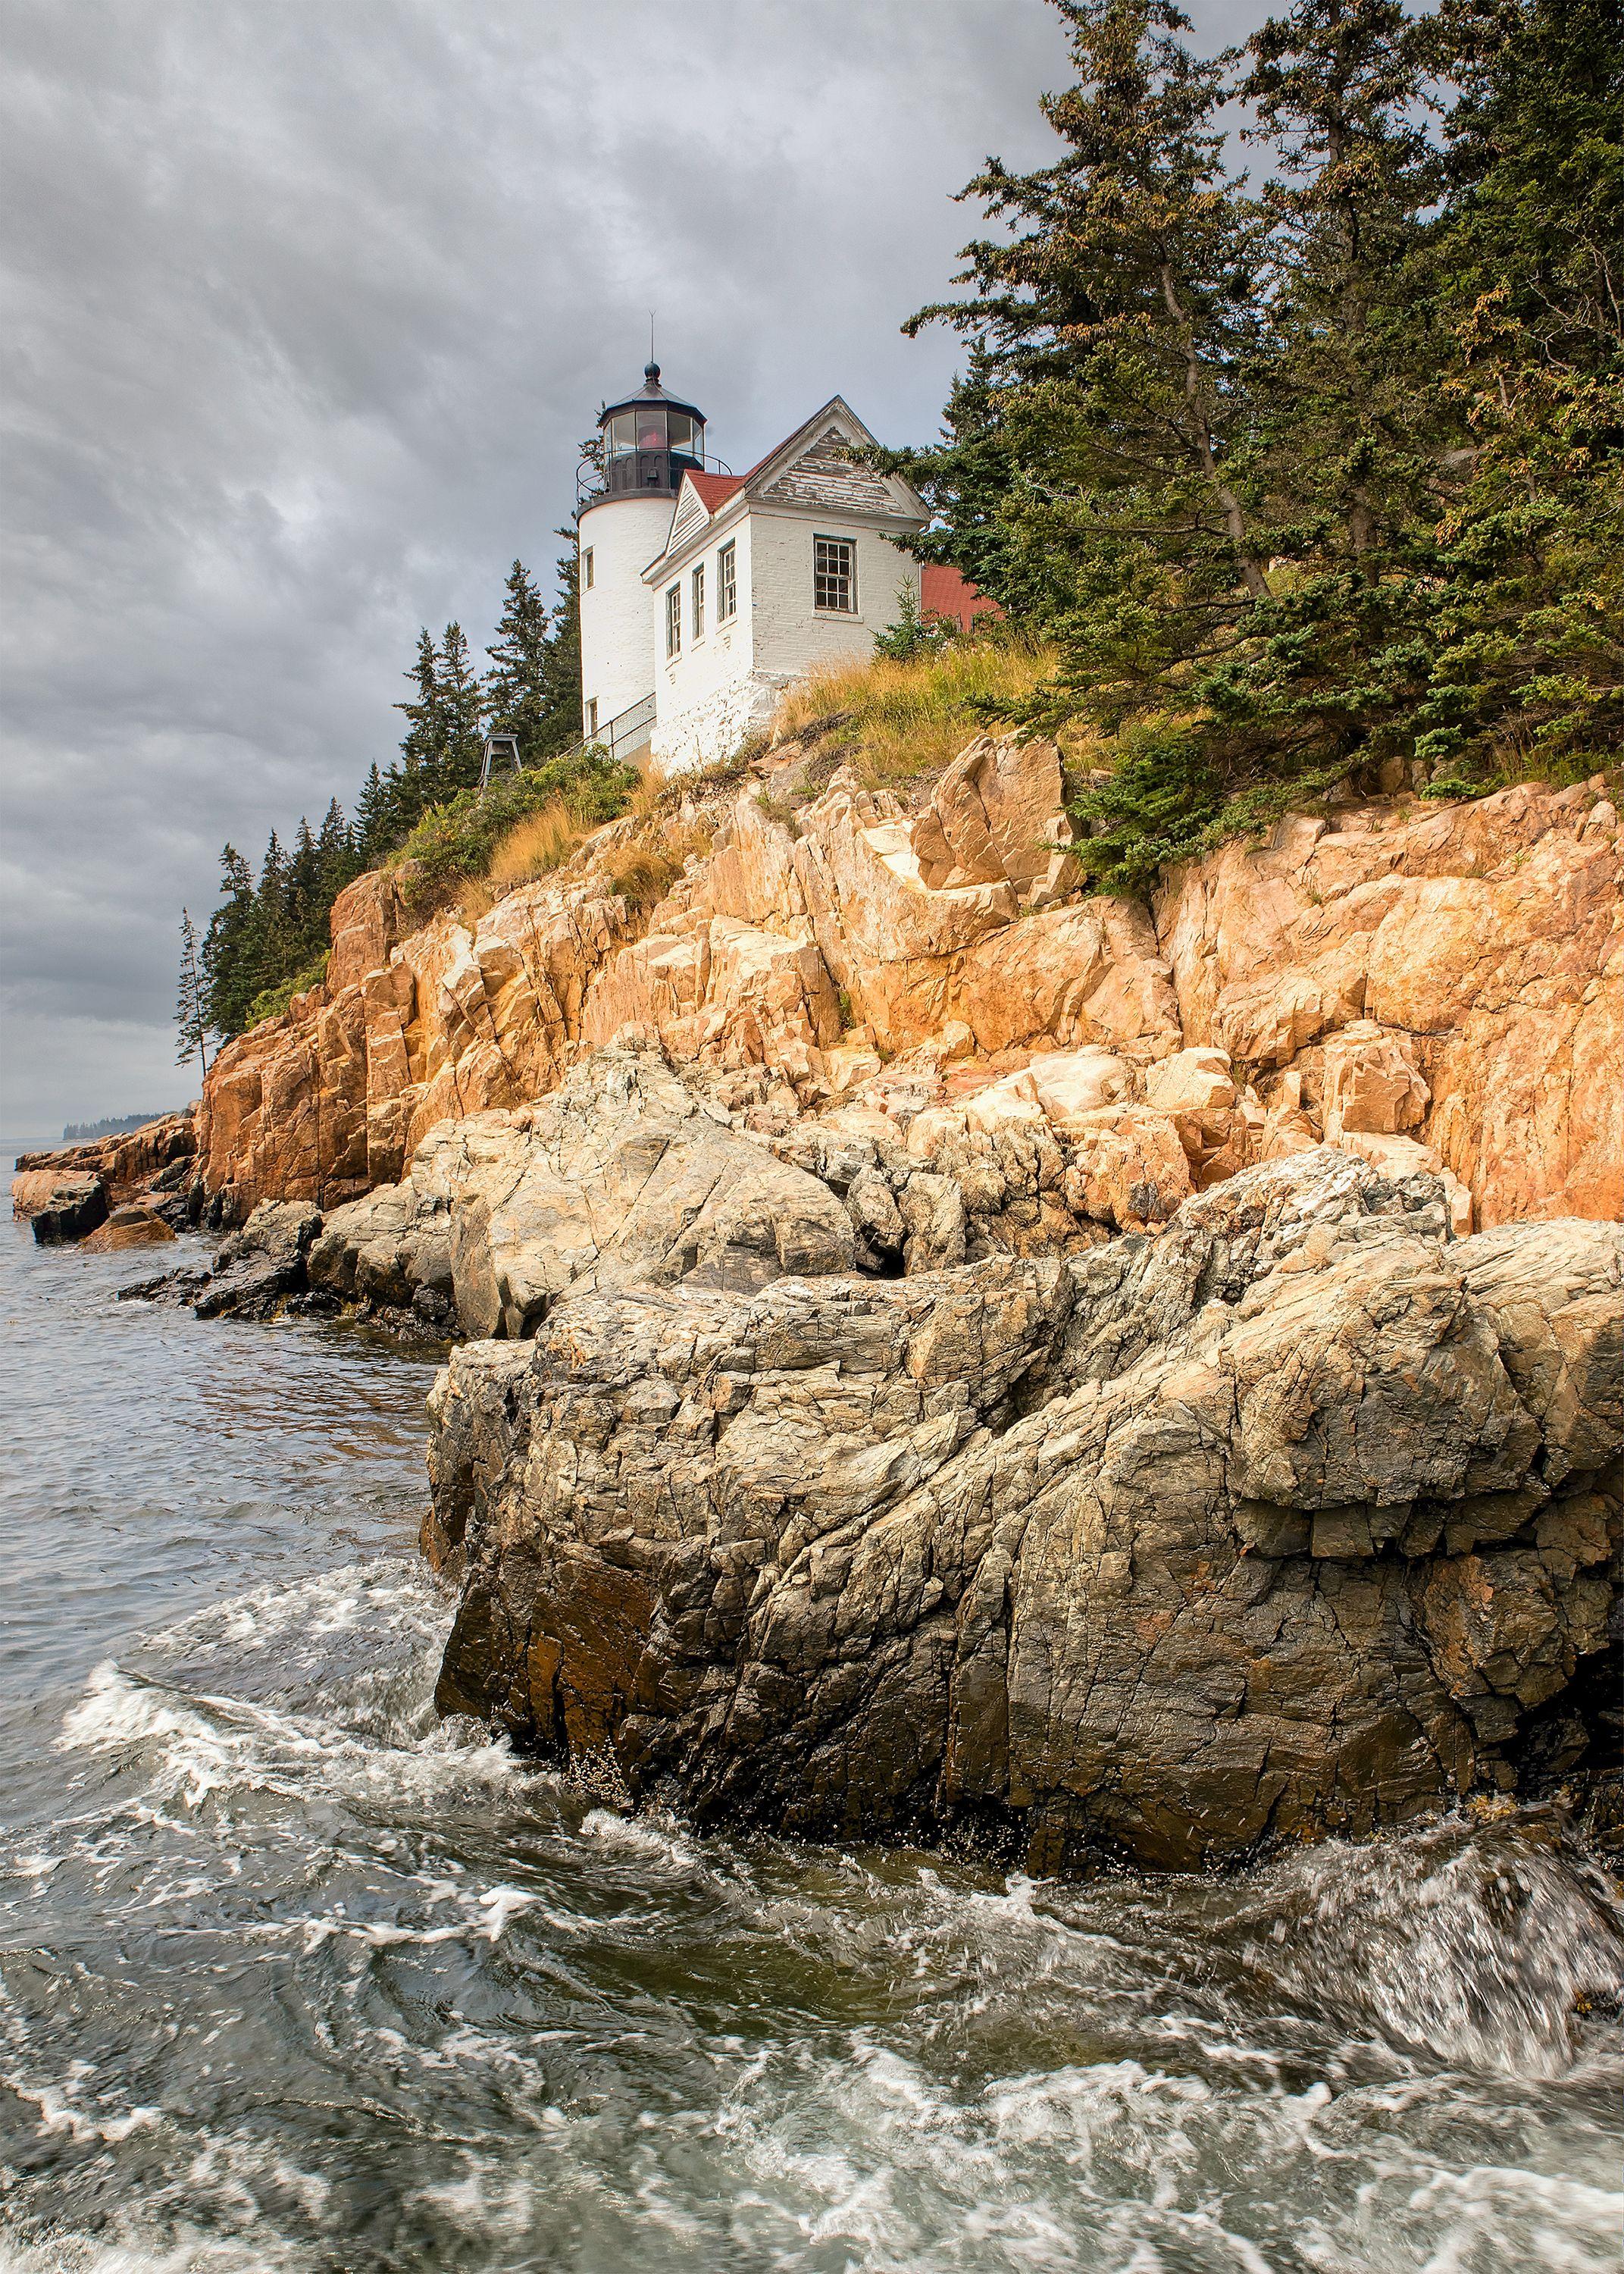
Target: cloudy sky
[307,303]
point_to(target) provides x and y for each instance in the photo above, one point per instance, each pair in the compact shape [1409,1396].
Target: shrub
[271,1001]
[460,838]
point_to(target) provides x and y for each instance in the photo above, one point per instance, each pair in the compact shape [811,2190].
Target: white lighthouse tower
[650,442]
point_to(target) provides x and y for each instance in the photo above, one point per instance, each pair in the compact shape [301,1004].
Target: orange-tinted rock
[61,1204]
[1129,1168]
[1448,974]
[131,1226]
[1484,941]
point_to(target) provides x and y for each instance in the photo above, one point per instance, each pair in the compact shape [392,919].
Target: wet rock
[314,1303]
[1293,1517]
[178,1288]
[132,1225]
[60,1204]
[260,1266]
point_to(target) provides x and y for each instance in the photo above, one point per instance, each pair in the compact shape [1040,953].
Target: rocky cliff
[1295,1516]
[1437,987]
[951,1354]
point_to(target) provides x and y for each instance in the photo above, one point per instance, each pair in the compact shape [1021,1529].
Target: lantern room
[650,442]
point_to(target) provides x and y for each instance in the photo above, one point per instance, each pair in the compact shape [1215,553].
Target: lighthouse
[650,440]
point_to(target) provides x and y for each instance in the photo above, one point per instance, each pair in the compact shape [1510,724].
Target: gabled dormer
[810,471]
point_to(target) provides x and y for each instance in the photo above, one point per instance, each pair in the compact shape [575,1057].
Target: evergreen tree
[190,1012]
[461,702]
[228,986]
[414,777]
[1526,630]
[336,860]
[559,724]
[972,481]
[533,687]
[1113,327]
[1347,441]
[306,910]
[375,828]
[515,684]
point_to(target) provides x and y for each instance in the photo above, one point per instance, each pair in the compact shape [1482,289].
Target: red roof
[945,593]
[716,489]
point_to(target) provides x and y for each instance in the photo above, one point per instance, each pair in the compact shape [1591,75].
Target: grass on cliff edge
[892,719]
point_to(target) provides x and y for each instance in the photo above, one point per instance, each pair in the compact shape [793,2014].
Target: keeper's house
[704,593]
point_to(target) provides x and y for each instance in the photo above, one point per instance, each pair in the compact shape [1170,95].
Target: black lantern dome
[650,440]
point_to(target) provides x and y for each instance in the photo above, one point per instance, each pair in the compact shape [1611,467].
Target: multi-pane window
[586,569]
[697,606]
[726,582]
[673,620]
[834,573]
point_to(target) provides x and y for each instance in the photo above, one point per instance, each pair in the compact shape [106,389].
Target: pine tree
[516,685]
[558,726]
[336,860]
[461,701]
[1112,328]
[376,827]
[1346,441]
[306,911]
[228,985]
[972,481]
[191,1014]
[1525,630]
[414,778]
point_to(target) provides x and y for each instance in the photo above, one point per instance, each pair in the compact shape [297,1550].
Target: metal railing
[620,737]
[640,473]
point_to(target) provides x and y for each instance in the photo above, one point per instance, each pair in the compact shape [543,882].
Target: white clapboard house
[705,593]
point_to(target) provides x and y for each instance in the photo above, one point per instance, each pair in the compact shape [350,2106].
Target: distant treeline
[82,1132]
[268,937]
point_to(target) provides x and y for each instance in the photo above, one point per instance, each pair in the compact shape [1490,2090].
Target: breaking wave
[295,1977]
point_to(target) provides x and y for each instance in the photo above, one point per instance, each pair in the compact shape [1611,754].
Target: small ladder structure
[500,750]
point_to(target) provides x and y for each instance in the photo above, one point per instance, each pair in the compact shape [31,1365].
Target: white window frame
[673,620]
[586,570]
[591,716]
[696,602]
[727,582]
[822,575]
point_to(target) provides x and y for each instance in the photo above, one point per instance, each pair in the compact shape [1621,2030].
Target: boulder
[1069,1084]
[61,1204]
[1294,1517]
[1199,1081]
[132,1225]
[1128,1168]
[258,1267]
[996,816]
[625,1176]
[1370,1082]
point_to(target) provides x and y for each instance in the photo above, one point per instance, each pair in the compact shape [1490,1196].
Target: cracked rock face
[622,1177]
[1295,1515]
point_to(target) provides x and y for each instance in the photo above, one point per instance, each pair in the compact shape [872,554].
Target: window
[726,584]
[834,573]
[696,603]
[591,708]
[673,620]
[586,569]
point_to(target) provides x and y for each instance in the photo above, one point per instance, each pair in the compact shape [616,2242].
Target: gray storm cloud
[306,309]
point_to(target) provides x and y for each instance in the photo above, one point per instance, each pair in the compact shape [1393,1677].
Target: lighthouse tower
[650,442]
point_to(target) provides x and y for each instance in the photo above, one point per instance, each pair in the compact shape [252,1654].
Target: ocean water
[293,1976]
